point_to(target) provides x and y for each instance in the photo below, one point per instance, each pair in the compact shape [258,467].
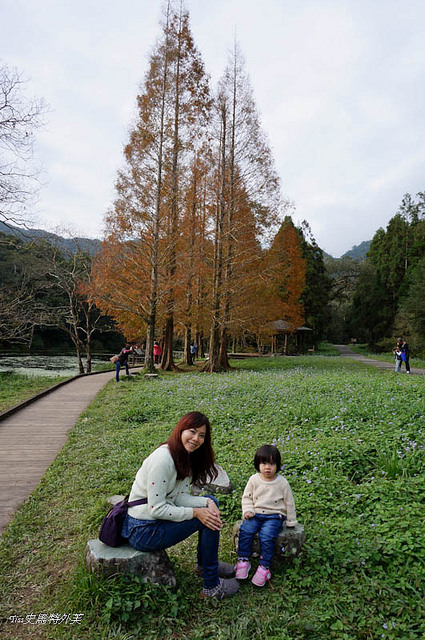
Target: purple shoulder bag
[112,523]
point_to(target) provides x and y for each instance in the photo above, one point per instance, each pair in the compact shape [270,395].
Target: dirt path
[31,438]
[345,351]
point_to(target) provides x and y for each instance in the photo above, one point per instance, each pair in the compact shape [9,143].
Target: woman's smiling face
[193,438]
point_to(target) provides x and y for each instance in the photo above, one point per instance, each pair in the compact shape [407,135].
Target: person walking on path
[122,361]
[170,513]
[267,502]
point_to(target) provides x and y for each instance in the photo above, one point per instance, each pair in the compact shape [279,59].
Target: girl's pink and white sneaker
[261,576]
[242,569]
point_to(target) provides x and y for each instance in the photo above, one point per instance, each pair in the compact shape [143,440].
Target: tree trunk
[213,362]
[31,338]
[150,333]
[150,337]
[78,351]
[167,361]
[223,358]
[88,356]
[201,344]
[187,342]
[228,271]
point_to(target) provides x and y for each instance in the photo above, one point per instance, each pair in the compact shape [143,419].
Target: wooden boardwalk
[31,438]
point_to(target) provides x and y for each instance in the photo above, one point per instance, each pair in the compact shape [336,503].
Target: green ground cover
[352,445]
[15,388]
[326,349]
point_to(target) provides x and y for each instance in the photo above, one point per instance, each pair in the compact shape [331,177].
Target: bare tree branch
[19,118]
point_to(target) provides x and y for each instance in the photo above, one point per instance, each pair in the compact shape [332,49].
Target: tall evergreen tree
[317,289]
[384,285]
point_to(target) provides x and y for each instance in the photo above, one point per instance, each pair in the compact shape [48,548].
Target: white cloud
[339,85]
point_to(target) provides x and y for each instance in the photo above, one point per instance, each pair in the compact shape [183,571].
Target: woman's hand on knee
[209,517]
[212,506]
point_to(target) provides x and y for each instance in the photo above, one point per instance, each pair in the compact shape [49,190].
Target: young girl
[266,503]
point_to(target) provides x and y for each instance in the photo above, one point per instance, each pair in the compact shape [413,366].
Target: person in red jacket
[157,352]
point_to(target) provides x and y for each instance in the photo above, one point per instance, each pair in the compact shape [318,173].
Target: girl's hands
[248,515]
[209,516]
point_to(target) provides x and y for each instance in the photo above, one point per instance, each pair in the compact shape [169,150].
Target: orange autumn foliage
[285,277]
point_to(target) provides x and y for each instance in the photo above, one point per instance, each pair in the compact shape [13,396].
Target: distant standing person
[122,361]
[157,352]
[404,348]
[193,350]
[397,355]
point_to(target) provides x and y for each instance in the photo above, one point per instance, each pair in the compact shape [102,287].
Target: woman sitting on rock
[171,514]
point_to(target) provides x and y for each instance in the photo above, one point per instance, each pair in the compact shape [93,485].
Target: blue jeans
[268,528]
[117,370]
[153,535]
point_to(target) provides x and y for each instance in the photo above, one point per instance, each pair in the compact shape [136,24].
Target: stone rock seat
[288,543]
[153,567]
[220,484]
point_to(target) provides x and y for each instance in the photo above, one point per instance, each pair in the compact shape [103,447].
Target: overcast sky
[339,84]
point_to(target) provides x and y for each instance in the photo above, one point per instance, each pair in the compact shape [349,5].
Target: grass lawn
[352,443]
[15,388]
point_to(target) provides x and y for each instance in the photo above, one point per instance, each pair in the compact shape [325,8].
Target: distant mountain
[359,251]
[71,245]
[92,245]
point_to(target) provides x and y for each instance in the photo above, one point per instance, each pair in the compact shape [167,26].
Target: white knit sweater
[267,497]
[168,498]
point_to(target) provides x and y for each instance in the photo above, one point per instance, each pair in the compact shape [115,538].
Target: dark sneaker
[225,589]
[225,570]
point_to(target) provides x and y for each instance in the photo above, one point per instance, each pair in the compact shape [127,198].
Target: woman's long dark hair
[200,463]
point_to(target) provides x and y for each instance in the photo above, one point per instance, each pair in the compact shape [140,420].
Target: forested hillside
[359,251]
[44,302]
[383,296]
[69,245]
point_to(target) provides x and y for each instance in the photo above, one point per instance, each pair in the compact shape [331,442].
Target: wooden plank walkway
[31,438]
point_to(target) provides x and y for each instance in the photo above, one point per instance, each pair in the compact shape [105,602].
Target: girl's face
[268,470]
[193,438]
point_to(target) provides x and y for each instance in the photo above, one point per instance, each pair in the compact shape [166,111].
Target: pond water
[45,365]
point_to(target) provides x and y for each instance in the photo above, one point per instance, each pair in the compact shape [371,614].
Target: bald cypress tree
[245,173]
[143,226]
